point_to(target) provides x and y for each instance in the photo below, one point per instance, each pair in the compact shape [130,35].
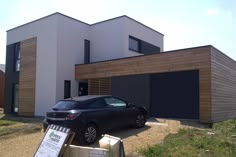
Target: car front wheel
[90,134]
[140,121]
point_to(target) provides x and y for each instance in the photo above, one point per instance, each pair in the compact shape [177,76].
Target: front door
[83,88]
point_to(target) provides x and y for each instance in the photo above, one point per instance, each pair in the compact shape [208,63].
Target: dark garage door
[175,95]
[133,88]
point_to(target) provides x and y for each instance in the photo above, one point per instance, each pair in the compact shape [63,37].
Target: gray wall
[133,88]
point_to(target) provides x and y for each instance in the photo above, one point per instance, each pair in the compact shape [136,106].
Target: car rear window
[68,105]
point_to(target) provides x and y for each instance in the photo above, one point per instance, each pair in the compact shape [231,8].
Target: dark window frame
[138,42]
[86,51]
[15,95]
[17,57]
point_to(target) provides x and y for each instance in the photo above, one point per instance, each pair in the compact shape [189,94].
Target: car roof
[87,97]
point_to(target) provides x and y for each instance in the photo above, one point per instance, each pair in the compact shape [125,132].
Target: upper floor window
[17,57]
[134,44]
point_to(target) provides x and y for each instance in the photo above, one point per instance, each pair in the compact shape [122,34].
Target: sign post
[54,142]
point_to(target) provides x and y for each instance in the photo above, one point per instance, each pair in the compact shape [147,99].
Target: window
[17,57]
[134,44]
[98,104]
[86,51]
[15,97]
[113,102]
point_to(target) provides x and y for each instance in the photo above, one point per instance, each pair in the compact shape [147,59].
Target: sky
[185,23]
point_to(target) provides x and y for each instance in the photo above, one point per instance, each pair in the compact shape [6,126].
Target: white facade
[60,45]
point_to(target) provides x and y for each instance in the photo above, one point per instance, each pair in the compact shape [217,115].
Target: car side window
[98,104]
[113,102]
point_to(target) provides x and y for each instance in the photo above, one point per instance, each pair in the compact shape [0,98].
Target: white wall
[71,36]
[141,32]
[110,39]
[60,45]
[46,32]
[107,40]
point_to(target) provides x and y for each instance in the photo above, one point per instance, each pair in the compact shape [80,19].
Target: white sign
[52,143]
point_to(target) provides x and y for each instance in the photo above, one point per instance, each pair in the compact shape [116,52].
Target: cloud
[212,12]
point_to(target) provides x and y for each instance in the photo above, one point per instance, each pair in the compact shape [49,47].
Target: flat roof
[171,51]
[87,23]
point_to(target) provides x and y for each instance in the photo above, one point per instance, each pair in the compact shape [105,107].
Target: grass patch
[218,141]
[7,126]
[7,122]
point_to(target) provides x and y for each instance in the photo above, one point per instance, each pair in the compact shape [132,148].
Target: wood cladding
[99,86]
[223,86]
[179,60]
[27,77]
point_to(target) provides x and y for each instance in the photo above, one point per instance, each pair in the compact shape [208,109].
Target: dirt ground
[24,143]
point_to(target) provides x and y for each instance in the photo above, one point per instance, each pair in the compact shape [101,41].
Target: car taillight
[71,116]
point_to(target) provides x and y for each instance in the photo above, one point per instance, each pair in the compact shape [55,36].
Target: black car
[90,115]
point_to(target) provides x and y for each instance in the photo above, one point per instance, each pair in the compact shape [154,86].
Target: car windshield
[67,105]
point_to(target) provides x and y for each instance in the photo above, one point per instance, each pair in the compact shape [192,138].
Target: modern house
[57,57]
[41,57]
[2,84]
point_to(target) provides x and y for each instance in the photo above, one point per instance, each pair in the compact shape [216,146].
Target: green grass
[7,127]
[7,123]
[199,143]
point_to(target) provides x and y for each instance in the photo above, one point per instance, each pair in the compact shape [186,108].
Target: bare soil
[24,142]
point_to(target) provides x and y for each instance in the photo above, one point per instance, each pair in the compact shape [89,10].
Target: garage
[194,83]
[133,88]
[175,95]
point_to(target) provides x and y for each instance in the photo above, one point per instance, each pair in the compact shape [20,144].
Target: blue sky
[185,23]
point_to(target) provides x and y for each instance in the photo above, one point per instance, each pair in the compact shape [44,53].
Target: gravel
[24,144]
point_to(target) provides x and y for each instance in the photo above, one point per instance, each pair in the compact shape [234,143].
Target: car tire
[140,120]
[90,134]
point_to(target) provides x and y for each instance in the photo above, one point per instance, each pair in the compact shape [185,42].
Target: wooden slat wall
[179,60]
[99,86]
[223,86]
[27,77]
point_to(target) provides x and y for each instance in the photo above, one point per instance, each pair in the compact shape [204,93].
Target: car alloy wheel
[140,120]
[90,134]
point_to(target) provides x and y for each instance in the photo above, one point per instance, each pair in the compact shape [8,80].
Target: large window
[86,51]
[17,57]
[134,44]
[15,97]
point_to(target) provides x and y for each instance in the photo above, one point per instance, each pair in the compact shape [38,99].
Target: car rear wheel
[140,120]
[90,134]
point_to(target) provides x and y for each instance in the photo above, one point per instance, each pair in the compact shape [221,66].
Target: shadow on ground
[121,133]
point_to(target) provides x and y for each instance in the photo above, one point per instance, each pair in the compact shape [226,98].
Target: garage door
[175,95]
[132,88]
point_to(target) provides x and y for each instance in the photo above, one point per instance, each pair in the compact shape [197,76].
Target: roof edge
[56,13]
[85,22]
[196,47]
[130,19]
[223,53]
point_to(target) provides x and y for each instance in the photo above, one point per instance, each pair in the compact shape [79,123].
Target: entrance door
[67,87]
[83,88]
